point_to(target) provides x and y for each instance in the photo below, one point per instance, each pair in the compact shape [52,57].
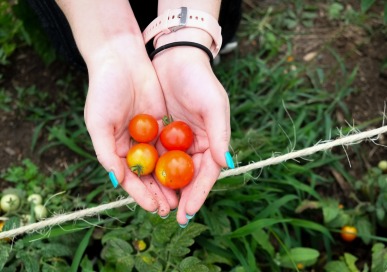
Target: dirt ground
[358,48]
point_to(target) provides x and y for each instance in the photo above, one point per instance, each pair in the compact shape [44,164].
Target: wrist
[186,34]
[184,24]
[123,48]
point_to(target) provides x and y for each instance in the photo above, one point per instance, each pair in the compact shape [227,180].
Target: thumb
[217,122]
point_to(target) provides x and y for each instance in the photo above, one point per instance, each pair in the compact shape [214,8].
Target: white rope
[62,218]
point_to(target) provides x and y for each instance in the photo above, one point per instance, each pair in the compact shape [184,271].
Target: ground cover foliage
[287,91]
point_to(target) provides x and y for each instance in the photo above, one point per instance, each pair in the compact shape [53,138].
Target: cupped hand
[123,83]
[193,94]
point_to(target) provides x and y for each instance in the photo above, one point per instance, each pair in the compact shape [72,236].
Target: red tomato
[176,136]
[143,128]
[142,159]
[348,233]
[175,169]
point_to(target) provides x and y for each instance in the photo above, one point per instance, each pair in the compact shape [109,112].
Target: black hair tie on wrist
[173,44]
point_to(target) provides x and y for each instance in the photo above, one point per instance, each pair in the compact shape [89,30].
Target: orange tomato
[348,233]
[142,159]
[175,169]
[143,128]
[176,136]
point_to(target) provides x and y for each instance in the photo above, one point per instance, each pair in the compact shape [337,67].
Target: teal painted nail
[173,210]
[229,161]
[113,179]
[164,217]
[183,226]
[189,217]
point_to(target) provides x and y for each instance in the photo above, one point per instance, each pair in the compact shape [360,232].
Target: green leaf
[60,134]
[81,250]
[313,226]
[163,232]
[184,238]
[380,213]
[336,266]
[217,221]
[50,250]
[192,264]
[274,207]
[350,260]
[118,252]
[121,233]
[257,225]
[87,264]
[31,262]
[11,223]
[364,228]
[4,254]
[263,239]
[299,255]
[330,213]
[379,257]
[145,262]
[366,5]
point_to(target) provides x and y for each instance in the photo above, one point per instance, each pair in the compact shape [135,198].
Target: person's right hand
[123,83]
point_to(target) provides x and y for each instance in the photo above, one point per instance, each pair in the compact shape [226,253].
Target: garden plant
[305,72]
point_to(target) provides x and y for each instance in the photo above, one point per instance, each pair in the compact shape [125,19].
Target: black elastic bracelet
[173,44]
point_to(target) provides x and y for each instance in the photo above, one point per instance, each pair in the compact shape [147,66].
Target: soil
[366,50]
[16,133]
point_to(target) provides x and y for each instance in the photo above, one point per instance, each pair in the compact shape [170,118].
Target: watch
[175,19]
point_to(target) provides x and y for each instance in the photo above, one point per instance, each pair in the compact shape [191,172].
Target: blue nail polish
[164,217]
[229,161]
[183,226]
[113,179]
[189,217]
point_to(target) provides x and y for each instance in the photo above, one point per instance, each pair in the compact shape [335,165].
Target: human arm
[122,83]
[193,94]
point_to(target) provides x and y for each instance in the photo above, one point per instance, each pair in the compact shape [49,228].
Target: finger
[105,147]
[154,189]
[201,186]
[171,197]
[181,214]
[139,192]
[217,124]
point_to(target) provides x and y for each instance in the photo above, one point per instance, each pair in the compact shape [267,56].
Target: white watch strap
[174,19]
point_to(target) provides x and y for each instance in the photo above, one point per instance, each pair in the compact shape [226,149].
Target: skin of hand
[193,94]
[122,83]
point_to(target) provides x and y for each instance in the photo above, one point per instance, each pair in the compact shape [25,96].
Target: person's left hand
[193,94]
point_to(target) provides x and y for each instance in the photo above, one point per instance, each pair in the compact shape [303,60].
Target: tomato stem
[138,169]
[167,119]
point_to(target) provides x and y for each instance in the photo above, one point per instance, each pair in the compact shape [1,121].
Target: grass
[280,218]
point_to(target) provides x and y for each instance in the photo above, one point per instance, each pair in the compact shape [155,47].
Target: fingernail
[189,217]
[183,226]
[174,210]
[164,217]
[113,179]
[229,161]
[154,212]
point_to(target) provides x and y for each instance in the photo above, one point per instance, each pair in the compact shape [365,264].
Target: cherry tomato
[348,233]
[176,136]
[143,128]
[142,159]
[175,169]
[10,202]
